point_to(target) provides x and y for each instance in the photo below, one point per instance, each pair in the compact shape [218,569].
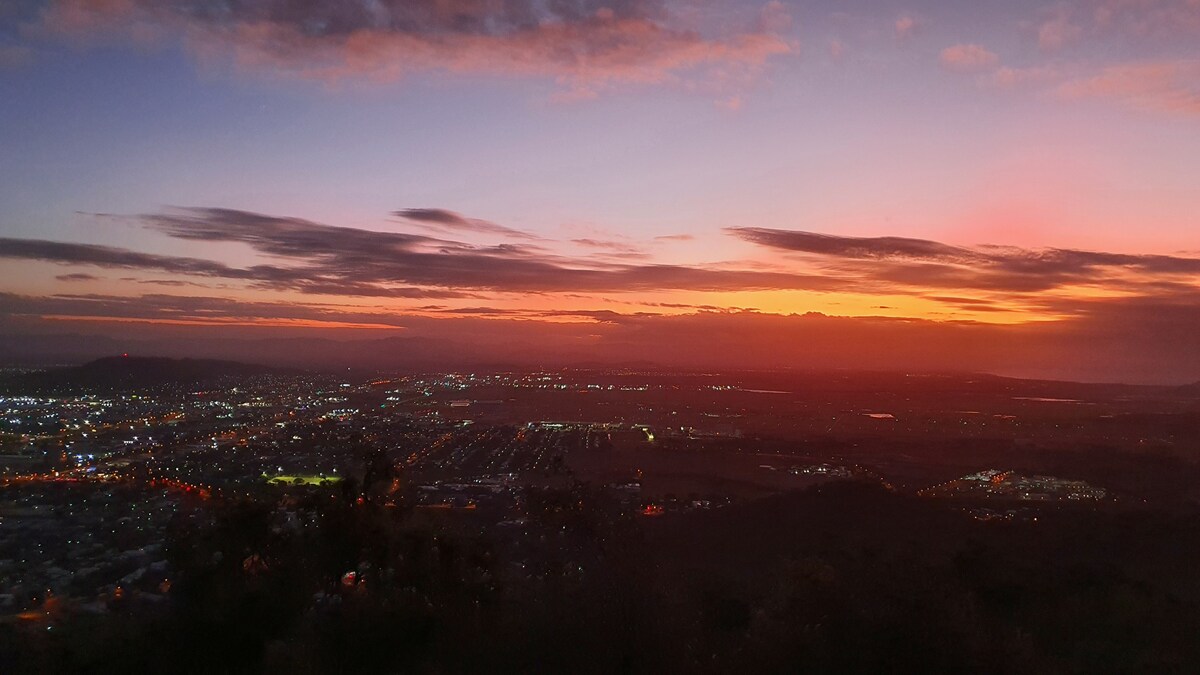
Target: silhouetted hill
[1192,389]
[117,373]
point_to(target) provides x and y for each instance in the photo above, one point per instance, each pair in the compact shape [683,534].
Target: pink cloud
[967,58]
[583,51]
[774,18]
[1058,32]
[733,103]
[1007,77]
[1170,86]
[905,26]
[1148,18]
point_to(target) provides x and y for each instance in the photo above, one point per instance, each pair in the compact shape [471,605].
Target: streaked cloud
[967,58]
[921,263]
[323,259]
[441,219]
[312,258]
[1165,86]
[584,45]
[78,276]
[1154,19]
[1134,339]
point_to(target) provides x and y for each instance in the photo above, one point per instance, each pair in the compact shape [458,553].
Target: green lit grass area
[302,480]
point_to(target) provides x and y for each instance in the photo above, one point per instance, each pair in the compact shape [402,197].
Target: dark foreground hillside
[845,577]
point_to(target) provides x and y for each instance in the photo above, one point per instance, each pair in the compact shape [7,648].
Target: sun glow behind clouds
[309,271]
[621,172]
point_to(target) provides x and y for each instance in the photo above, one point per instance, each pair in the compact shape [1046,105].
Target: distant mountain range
[315,353]
[122,373]
[411,354]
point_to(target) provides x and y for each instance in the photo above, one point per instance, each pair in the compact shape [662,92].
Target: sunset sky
[1009,187]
